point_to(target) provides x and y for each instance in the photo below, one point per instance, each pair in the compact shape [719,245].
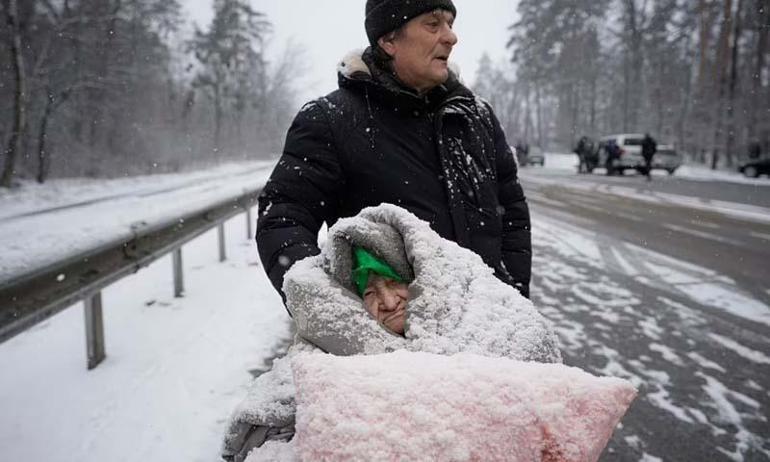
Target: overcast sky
[328,29]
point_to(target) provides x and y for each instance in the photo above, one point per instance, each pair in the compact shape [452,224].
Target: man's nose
[449,37]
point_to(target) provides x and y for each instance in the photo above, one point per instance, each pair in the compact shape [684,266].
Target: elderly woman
[385,281]
[384,292]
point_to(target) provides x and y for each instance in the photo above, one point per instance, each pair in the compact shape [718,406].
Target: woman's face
[385,299]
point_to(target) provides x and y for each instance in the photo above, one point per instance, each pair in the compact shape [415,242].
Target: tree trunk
[592,117]
[704,86]
[217,120]
[730,143]
[626,90]
[634,67]
[43,155]
[19,97]
[684,110]
[659,102]
[43,160]
[527,110]
[540,141]
[763,32]
[723,56]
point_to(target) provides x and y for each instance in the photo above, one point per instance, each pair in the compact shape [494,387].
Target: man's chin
[442,75]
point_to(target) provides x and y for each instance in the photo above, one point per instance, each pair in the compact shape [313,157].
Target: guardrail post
[176,257]
[94,330]
[221,235]
[249,225]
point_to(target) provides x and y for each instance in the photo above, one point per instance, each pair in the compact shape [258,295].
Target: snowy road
[673,298]
[669,291]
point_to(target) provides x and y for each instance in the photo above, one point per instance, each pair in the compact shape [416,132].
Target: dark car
[535,156]
[527,155]
[754,168]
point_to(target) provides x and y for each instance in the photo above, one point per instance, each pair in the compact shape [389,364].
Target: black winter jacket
[442,156]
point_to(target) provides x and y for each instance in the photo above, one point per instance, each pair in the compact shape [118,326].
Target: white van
[630,152]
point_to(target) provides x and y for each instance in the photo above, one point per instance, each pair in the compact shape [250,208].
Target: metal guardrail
[35,297]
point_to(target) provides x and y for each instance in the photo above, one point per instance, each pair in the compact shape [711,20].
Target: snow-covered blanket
[456,304]
[426,407]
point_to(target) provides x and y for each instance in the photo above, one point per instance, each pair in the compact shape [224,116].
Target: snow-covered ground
[177,367]
[42,224]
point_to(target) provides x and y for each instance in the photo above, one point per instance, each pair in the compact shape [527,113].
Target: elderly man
[400,129]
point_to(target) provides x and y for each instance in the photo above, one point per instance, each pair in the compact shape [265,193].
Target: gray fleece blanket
[456,304]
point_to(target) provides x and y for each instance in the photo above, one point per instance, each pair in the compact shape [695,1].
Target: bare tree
[762,34]
[721,76]
[20,94]
[230,56]
[733,82]
[691,71]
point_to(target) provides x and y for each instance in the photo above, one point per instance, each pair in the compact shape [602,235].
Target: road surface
[667,284]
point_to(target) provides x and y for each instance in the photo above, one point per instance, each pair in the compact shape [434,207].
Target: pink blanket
[420,406]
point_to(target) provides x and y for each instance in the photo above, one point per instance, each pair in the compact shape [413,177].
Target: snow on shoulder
[421,406]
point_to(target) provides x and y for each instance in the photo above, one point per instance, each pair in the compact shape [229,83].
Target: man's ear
[386,42]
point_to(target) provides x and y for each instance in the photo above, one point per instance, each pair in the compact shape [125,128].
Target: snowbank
[41,225]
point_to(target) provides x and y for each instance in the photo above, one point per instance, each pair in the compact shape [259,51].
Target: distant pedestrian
[649,148]
[581,151]
[613,154]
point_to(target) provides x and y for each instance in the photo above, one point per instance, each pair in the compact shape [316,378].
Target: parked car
[630,155]
[536,156]
[667,158]
[529,155]
[754,168]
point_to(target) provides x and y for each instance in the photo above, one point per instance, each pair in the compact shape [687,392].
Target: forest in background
[693,73]
[105,88]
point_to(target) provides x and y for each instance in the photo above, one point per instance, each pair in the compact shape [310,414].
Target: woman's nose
[390,300]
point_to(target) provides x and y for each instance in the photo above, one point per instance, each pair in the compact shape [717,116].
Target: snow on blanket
[421,406]
[456,304]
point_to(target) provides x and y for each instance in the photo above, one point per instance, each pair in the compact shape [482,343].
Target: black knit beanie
[383,16]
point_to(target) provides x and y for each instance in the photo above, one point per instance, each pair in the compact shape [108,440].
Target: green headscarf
[365,263]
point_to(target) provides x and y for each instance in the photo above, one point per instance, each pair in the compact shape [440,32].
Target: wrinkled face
[421,50]
[385,299]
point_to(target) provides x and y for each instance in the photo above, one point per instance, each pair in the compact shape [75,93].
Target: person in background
[580,150]
[401,129]
[613,154]
[649,148]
